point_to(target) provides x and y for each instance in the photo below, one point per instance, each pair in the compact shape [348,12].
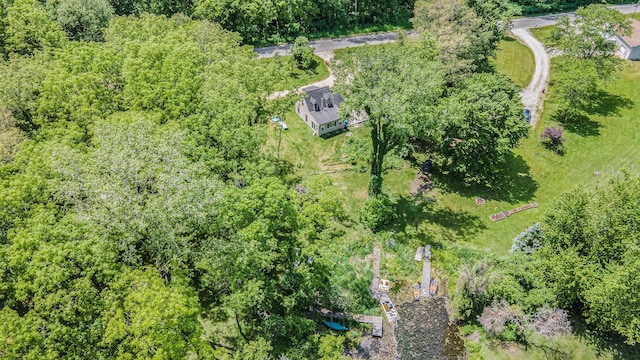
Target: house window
[298,109]
[305,118]
[321,127]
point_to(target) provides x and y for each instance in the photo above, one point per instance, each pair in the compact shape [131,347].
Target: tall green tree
[495,20]
[589,254]
[164,74]
[21,81]
[456,29]
[162,7]
[147,318]
[587,36]
[480,122]
[10,136]
[28,28]
[588,59]
[394,86]
[84,83]
[84,19]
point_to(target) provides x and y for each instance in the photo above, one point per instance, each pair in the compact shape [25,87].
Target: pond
[425,332]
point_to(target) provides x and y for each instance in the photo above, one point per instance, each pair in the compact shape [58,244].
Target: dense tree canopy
[480,122]
[27,28]
[590,253]
[84,20]
[466,32]
[140,203]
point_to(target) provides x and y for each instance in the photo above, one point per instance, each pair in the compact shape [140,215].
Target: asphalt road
[545,20]
[326,46]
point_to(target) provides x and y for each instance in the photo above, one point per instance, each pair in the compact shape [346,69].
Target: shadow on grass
[607,104]
[605,343]
[412,212]
[602,103]
[514,184]
[577,122]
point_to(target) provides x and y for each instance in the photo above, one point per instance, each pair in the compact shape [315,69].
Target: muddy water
[424,332]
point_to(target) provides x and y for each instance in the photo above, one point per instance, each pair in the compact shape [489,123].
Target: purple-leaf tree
[552,139]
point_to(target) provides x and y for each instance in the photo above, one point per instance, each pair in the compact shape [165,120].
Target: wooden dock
[419,253]
[375,282]
[376,321]
[426,273]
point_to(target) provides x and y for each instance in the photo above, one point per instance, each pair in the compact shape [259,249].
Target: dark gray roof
[323,97]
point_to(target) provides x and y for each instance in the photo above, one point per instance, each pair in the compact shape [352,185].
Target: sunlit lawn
[515,61]
[311,155]
[295,77]
[542,33]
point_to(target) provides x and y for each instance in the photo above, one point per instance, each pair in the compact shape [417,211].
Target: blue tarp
[335,326]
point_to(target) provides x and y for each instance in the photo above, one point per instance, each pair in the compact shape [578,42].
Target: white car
[284,126]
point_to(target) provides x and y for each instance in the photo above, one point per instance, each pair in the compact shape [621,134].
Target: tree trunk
[239,327]
[377,158]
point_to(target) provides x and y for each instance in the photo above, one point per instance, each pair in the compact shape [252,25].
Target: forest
[141,217]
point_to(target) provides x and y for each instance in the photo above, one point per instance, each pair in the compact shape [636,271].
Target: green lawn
[310,155]
[515,61]
[542,33]
[294,77]
[604,144]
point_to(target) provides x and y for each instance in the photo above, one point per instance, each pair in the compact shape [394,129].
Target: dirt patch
[420,185]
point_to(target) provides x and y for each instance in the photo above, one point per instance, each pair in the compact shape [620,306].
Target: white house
[629,46]
[319,109]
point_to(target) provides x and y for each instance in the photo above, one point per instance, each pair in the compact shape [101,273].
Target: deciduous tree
[84,19]
[590,251]
[395,86]
[28,28]
[480,122]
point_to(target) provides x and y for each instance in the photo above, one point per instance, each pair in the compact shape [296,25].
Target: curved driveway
[533,95]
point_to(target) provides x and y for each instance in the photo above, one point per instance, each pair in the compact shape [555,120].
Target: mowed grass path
[515,60]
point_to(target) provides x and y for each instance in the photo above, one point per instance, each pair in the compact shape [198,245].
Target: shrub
[376,212]
[529,240]
[552,139]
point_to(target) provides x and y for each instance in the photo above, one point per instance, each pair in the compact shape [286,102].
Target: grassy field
[515,61]
[294,77]
[542,33]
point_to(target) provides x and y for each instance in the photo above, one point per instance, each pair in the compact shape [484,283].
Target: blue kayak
[335,326]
